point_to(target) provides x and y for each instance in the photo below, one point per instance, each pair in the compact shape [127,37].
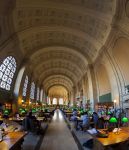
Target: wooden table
[115,139]
[40,118]
[12,141]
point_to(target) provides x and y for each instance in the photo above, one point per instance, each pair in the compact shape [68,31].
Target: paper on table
[92,131]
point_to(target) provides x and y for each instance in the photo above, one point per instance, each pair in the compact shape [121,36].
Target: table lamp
[113,120]
[125,119]
[109,113]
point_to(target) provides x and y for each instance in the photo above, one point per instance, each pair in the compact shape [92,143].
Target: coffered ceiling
[59,38]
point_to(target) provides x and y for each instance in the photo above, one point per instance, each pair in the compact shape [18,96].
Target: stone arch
[103,83]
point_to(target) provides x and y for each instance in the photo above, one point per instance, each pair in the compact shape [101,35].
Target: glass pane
[7,72]
[13,61]
[9,81]
[6,61]
[25,85]
[9,58]
[10,66]
[4,78]
[24,90]
[24,94]
[13,69]
[11,75]
[8,87]
[2,68]
[32,90]
[26,81]
[3,84]
[1,74]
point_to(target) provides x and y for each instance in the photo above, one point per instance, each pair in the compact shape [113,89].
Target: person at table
[10,126]
[41,114]
[74,115]
[30,123]
[85,121]
[95,119]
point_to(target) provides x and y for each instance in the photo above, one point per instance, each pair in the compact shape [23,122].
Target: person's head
[82,113]
[6,119]
[85,113]
[29,114]
[74,109]
[94,113]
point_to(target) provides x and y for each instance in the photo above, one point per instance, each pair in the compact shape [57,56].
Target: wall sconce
[114,103]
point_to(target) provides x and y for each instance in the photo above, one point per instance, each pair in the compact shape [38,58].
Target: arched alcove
[121,55]
[104,88]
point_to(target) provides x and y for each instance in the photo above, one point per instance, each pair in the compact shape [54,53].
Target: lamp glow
[109,113]
[125,119]
[113,120]
[114,100]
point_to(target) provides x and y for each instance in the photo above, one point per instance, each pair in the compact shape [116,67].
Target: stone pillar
[84,92]
[51,100]
[92,87]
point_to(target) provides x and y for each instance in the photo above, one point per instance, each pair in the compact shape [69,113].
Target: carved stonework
[127,8]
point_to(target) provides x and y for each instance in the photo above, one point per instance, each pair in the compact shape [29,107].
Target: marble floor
[58,136]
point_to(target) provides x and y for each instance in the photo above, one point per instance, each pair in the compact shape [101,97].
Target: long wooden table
[115,139]
[12,141]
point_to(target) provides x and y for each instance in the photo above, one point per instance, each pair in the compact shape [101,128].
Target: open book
[92,131]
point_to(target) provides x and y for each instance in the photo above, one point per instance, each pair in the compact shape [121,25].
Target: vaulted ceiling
[59,38]
[58,92]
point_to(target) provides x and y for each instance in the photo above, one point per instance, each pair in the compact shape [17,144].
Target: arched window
[38,92]
[7,70]
[32,90]
[25,86]
[54,101]
[61,102]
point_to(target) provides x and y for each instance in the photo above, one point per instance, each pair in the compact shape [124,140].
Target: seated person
[41,114]
[10,126]
[74,115]
[85,121]
[30,123]
[95,119]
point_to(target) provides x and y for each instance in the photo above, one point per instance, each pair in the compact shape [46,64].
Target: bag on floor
[88,144]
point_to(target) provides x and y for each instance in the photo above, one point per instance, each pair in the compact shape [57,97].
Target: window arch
[7,70]
[25,86]
[32,90]
[54,101]
[61,102]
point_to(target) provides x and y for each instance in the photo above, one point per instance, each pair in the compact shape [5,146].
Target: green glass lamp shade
[23,111]
[103,113]
[81,111]
[109,113]
[113,120]
[6,112]
[33,110]
[125,119]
